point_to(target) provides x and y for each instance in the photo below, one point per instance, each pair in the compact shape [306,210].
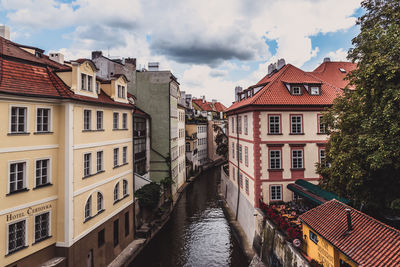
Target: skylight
[342,70]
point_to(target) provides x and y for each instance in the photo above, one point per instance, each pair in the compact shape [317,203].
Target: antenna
[108,48]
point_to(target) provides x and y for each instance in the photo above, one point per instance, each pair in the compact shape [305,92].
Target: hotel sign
[27,212]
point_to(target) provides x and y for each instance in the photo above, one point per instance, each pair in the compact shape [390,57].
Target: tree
[222,142]
[364,145]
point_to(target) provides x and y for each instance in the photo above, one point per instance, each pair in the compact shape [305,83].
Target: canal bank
[197,232]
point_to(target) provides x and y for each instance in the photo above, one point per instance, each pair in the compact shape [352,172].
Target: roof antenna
[108,48]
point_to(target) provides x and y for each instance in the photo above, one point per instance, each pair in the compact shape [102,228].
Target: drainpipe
[238,166]
[133,170]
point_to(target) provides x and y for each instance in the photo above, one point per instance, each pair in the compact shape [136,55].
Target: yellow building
[66,151]
[337,235]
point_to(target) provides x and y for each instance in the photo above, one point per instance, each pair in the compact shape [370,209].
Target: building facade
[67,155]
[181,178]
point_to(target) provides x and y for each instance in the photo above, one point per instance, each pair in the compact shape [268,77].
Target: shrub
[148,195]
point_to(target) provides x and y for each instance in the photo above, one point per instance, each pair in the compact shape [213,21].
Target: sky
[210,46]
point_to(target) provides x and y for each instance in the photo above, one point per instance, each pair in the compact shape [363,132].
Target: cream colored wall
[250,196]
[67,77]
[181,144]
[287,194]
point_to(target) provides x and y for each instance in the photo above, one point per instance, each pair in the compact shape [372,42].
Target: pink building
[275,132]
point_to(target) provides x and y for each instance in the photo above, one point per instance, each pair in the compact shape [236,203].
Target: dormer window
[89,87]
[314,90]
[83,81]
[86,82]
[296,90]
[121,91]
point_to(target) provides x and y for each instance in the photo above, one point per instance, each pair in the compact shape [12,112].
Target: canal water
[197,234]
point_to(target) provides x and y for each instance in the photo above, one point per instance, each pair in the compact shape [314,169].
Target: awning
[313,192]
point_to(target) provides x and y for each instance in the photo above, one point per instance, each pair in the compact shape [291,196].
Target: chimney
[57,57]
[96,54]
[5,32]
[281,63]
[270,68]
[238,90]
[214,101]
[327,59]
[153,66]
[349,226]
[130,60]
[204,99]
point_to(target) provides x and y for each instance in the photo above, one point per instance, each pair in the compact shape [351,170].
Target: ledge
[296,133]
[126,129]
[123,164]
[42,185]
[299,169]
[19,249]
[275,134]
[275,145]
[297,145]
[93,174]
[43,239]
[275,170]
[17,191]
[322,133]
[39,133]
[21,133]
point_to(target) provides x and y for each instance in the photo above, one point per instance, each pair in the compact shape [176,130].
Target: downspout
[238,166]
[134,170]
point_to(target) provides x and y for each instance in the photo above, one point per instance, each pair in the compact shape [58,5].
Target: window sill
[296,133]
[323,133]
[116,201]
[115,167]
[19,249]
[275,134]
[19,133]
[91,217]
[126,129]
[90,175]
[90,130]
[297,169]
[275,170]
[43,239]
[42,185]
[17,191]
[39,133]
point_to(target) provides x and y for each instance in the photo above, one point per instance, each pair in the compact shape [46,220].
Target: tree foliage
[364,144]
[148,195]
[222,142]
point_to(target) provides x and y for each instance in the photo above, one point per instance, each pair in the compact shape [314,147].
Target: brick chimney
[349,224]
[96,54]
[5,32]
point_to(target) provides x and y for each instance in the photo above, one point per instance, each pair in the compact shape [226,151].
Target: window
[297,159]
[101,238]
[126,223]
[315,90]
[87,164]
[240,153]
[42,226]
[42,172]
[233,125]
[97,88]
[89,85]
[115,120]
[116,159]
[124,155]
[124,121]
[88,208]
[276,192]
[274,124]
[16,236]
[87,119]
[322,158]
[99,161]
[116,192]
[296,90]
[233,150]
[296,124]
[239,125]
[43,120]
[18,120]
[246,156]
[241,180]
[100,202]
[275,159]
[121,91]
[99,120]
[116,232]
[313,237]
[188,147]
[125,188]
[247,185]
[233,173]
[17,176]
[83,81]
[246,126]
[321,124]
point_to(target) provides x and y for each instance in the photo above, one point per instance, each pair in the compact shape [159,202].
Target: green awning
[314,192]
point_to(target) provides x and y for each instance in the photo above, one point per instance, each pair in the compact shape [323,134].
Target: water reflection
[197,234]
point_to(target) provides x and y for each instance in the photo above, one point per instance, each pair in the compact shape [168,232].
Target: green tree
[364,145]
[222,142]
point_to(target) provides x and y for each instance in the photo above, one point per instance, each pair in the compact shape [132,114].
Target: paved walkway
[128,253]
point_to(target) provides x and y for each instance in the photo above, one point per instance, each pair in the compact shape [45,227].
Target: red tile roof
[219,107]
[370,243]
[208,106]
[275,92]
[330,72]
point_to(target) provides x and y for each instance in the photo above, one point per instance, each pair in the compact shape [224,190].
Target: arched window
[116,192]
[100,202]
[88,208]
[124,188]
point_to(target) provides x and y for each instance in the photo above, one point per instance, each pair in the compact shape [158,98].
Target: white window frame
[125,192]
[246,155]
[321,124]
[86,218]
[8,235]
[117,158]
[312,88]
[90,120]
[26,119]
[275,158]
[124,154]
[102,119]
[49,171]
[295,124]
[101,203]
[125,121]
[274,123]
[50,119]
[97,160]
[90,164]
[296,87]
[34,226]
[297,158]
[115,123]
[26,174]
[246,125]
[276,193]
[84,82]
[116,193]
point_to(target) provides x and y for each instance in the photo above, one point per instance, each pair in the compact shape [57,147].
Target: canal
[197,234]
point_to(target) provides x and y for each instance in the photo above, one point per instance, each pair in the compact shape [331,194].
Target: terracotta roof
[219,107]
[370,243]
[276,93]
[208,106]
[331,73]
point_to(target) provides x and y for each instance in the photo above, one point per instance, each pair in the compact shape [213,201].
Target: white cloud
[338,55]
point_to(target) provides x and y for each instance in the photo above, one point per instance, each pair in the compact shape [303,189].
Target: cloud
[338,55]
